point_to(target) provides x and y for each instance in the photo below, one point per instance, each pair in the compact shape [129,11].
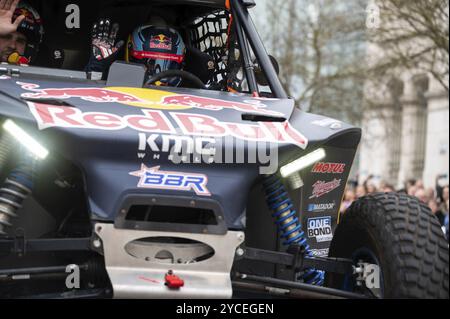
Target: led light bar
[302,162]
[25,139]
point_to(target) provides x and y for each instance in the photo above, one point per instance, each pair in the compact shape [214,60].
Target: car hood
[116,134]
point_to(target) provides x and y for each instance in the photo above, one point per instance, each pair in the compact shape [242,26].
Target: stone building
[406,124]
[406,133]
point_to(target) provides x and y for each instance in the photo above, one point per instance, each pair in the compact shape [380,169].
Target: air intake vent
[171,214]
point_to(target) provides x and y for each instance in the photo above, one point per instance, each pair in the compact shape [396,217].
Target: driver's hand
[7,8]
[104,47]
[104,37]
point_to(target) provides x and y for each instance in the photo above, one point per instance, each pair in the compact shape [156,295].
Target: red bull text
[156,121]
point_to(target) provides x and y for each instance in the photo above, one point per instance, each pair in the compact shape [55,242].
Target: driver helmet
[159,48]
[31,27]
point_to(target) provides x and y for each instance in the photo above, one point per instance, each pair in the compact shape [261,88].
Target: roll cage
[215,27]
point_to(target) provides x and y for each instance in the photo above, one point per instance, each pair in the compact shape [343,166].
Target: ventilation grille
[171,214]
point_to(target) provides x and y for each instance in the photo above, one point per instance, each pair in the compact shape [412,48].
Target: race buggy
[218,188]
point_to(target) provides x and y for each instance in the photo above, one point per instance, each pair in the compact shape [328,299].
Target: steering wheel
[192,78]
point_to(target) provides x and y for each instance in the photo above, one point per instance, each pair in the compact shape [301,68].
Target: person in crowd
[409,183]
[446,227]
[445,194]
[388,188]
[361,191]
[411,190]
[371,188]
[349,198]
[430,193]
[421,195]
[435,209]
[419,184]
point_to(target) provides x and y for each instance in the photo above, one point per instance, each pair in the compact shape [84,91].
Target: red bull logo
[145,98]
[161,41]
[29,17]
[217,105]
[155,121]
[97,95]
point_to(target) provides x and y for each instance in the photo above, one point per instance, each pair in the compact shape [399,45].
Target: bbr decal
[155,178]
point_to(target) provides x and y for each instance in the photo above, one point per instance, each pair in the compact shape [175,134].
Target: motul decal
[331,168]
[321,188]
[155,121]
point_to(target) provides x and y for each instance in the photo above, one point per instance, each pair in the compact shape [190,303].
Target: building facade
[406,133]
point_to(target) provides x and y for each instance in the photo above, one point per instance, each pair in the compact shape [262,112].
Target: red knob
[173,281]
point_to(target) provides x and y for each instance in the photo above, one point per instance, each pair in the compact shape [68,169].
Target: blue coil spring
[289,226]
[15,190]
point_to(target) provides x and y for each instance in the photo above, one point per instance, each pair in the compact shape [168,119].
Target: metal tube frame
[248,64]
[240,13]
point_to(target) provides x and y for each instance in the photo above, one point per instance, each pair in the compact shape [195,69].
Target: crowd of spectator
[436,198]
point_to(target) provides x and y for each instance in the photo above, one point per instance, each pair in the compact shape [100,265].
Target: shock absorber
[6,148]
[16,188]
[289,226]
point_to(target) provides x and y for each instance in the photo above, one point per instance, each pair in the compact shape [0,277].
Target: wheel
[402,237]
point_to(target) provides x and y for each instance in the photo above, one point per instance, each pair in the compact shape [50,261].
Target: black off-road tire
[405,237]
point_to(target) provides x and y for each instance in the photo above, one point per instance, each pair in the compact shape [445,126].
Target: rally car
[220,187]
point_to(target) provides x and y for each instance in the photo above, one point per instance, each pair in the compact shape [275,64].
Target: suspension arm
[21,245]
[299,261]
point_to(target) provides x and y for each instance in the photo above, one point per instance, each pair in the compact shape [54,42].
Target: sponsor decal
[321,207]
[321,187]
[176,145]
[155,121]
[332,168]
[157,56]
[161,41]
[320,229]
[252,106]
[145,98]
[320,252]
[97,95]
[157,179]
